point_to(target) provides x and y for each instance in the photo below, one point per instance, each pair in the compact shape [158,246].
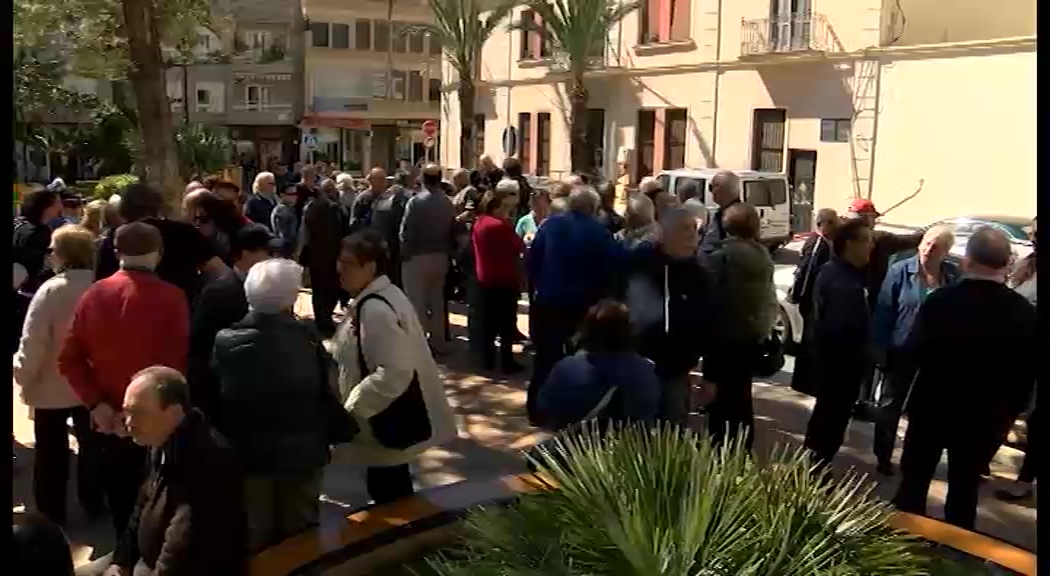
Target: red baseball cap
[863,206]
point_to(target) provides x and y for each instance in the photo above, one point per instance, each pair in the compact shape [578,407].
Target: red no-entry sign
[430,128]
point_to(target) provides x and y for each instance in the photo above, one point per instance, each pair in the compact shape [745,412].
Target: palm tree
[462,31]
[578,31]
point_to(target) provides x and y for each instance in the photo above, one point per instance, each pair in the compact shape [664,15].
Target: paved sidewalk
[493,428]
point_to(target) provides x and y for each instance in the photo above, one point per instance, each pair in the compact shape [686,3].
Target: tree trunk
[147,75]
[467,127]
[581,153]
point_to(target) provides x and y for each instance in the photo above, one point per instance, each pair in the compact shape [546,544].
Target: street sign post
[430,128]
[311,141]
[509,139]
[429,142]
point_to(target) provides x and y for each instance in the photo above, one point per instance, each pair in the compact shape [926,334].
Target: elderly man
[725,191]
[186,523]
[661,198]
[388,210]
[361,212]
[570,266]
[513,170]
[640,224]
[122,324]
[273,374]
[906,287]
[963,406]
[815,252]
[263,199]
[426,244]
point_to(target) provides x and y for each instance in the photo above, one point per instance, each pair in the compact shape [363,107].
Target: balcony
[792,35]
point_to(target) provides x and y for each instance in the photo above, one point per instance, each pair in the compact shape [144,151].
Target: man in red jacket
[123,324]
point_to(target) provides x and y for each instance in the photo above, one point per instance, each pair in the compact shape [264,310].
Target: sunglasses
[204,219]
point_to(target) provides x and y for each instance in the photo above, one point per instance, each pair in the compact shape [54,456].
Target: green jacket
[745,296]
[271,370]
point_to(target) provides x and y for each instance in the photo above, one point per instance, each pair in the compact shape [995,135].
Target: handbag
[405,422]
[769,356]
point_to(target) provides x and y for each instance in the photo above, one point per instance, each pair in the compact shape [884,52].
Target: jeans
[280,507]
[387,484]
[51,465]
[730,370]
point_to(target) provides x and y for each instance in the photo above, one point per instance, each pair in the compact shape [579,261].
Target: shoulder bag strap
[602,404]
[357,329]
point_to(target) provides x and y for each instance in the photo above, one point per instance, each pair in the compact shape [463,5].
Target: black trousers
[387,484]
[1031,451]
[836,395]
[324,284]
[927,437]
[497,314]
[730,369]
[51,465]
[123,471]
[553,326]
[896,384]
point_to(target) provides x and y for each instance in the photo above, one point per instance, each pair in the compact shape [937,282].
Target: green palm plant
[665,502]
[462,32]
[578,32]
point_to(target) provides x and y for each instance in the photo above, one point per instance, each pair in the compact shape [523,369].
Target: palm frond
[462,30]
[665,502]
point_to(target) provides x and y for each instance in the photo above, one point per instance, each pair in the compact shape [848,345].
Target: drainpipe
[510,89]
[718,88]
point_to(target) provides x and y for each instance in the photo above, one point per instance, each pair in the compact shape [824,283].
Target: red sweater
[497,250]
[122,324]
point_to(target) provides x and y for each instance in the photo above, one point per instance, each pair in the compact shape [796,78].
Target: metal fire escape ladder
[866,85]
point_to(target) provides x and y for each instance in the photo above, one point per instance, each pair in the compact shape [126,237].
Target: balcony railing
[793,34]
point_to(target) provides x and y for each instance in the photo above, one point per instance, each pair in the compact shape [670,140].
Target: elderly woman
[41,385]
[273,373]
[347,190]
[388,379]
[94,217]
[905,288]
[263,198]
[640,224]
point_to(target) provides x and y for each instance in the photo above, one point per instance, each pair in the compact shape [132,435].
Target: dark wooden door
[802,174]
[767,139]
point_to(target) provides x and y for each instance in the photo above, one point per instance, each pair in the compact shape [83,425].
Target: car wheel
[783,327]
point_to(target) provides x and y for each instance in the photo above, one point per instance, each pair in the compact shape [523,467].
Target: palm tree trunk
[466,93]
[582,155]
[147,77]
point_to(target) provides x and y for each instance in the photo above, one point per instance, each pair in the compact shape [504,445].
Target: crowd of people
[171,340]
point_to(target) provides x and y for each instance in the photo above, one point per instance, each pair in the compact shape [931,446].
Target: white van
[766,191]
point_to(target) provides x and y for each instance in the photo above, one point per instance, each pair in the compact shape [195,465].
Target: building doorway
[802,174]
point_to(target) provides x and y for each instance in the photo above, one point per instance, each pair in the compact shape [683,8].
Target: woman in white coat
[44,390]
[387,376]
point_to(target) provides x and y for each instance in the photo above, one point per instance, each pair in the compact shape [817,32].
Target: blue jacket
[899,301]
[577,383]
[572,260]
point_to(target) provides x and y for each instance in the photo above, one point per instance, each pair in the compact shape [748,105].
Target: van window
[665,181]
[680,184]
[777,192]
[756,193]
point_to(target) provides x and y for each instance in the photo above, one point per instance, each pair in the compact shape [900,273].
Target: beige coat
[393,342]
[43,334]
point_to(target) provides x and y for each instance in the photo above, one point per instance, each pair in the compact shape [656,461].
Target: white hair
[509,186]
[648,185]
[272,286]
[114,200]
[584,199]
[259,178]
[640,210]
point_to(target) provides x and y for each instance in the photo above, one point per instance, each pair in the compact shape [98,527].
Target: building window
[203,100]
[596,135]
[767,138]
[319,33]
[479,135]
[646,142]
[434,45]
[525,141]
[543,149]
[663,21]
[434,90]
[382,36]
[525,49]
[416,42]
[258,41]
[256,97]
[675,120]
[415,86]
[341,36]
[363,34]
[836,130]
[397,85]
[398,38]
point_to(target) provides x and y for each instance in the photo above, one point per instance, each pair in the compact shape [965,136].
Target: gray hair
[989,247]
[640,211]
[697,208]
[508,186]
[689,189]
[559,206]
[674,216]
[649,185]
[272,286]
[584,200]
[727,179]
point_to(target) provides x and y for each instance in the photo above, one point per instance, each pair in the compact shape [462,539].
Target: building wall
[934,21]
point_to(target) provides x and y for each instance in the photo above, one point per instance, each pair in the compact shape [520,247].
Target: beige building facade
[911,103]
[368,87]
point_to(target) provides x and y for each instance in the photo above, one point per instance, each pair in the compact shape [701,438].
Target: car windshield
[1015,229]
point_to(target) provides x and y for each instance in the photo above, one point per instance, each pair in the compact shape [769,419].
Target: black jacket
[258,209]
[841,323]
[323,227]
[714,232]
[676,341]
[815,252]
[272,371]
[976,350]
[220,304]
[29,246]
[189,519]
